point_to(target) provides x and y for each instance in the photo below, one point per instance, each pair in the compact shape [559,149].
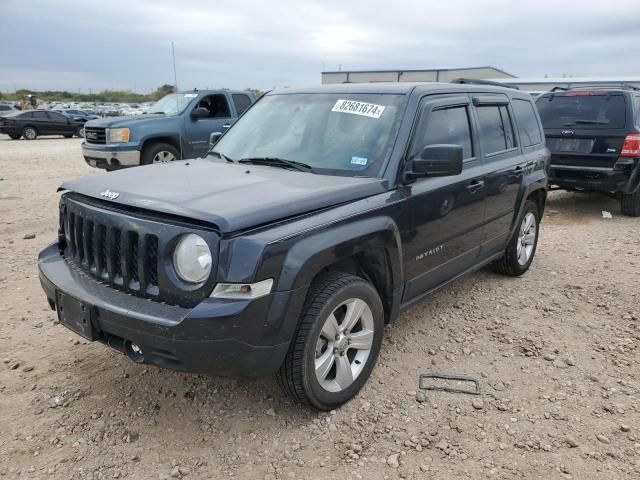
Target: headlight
[192,259]
[246,291]
[118,135]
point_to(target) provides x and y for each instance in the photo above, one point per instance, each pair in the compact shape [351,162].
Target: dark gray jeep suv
[318,217]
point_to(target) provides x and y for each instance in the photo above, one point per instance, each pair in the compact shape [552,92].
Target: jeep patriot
[318,217]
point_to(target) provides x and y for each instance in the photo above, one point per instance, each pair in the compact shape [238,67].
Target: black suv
[317,217]
[594,137]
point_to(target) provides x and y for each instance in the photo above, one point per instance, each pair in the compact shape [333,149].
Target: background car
[33,123]
[6,108]
[79,115]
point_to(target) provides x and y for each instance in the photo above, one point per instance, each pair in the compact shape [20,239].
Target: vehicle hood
[231,196]
[111,122]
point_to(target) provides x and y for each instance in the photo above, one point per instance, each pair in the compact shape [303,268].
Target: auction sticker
[190,95]
[358,108]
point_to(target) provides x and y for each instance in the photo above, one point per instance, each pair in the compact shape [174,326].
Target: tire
[518,256]
[347,368]
[159,153]
[630,204]
[68,136]
[79,132]
[29,133]
[14,136]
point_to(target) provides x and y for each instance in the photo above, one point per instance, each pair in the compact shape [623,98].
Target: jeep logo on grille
[110,195]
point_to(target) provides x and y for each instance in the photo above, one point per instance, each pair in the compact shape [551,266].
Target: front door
[199,130]
[445,214]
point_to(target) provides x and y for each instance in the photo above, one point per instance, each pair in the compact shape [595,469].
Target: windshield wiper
[220,155]
[279,162]
[588,122]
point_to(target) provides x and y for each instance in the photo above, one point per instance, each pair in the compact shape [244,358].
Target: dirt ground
[556,353]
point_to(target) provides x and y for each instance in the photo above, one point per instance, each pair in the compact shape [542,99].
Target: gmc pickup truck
[176,126]
[315,219]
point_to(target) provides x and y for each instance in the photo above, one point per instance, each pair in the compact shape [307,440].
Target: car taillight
[631,146]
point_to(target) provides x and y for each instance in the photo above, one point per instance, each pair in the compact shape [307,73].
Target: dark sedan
[31,124]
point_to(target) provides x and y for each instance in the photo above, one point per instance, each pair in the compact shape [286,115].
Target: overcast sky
[126,44]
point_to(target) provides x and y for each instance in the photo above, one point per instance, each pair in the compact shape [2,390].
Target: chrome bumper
[110,159]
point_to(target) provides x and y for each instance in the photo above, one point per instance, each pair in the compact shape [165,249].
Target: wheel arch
[170,139]
[369,248]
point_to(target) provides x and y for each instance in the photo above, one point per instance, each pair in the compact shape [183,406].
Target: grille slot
[113,255]
[97,135]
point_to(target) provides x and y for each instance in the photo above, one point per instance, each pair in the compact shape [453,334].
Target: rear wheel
[522,247]
[29,133]
[14,136]
[159,153]
[337,343]
[630,204]
[80,132]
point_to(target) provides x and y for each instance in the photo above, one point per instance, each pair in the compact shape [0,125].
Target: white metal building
[533,85]
[430,75]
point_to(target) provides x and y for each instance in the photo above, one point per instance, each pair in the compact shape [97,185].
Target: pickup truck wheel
[159,153]
[337,342]
[522,247]
[630,204]
[29,133]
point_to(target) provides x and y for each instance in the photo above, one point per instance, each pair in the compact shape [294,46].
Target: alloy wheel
[164,157]
[526,238]
[344,345]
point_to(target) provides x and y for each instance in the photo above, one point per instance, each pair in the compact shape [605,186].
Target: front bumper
[624,178]
[246,338]
[109,157]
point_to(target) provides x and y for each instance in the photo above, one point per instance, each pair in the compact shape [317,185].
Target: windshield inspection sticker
[358,108]
[359,161]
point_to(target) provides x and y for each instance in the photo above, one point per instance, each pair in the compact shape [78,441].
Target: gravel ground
[555,352]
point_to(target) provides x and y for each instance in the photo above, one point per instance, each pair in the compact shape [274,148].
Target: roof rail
[475,81]
[621,86]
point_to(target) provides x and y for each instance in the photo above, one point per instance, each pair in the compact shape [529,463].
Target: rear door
[445,214]
[198,131]
[504,165]
[42,122]
[585,130]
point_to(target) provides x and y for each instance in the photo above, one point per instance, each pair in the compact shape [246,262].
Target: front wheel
[80,132]
[630,204]
[159,153]
[522,247]
[337,343]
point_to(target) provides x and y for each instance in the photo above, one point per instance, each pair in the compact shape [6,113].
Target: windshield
[172,104]
[582,110]
[335,134]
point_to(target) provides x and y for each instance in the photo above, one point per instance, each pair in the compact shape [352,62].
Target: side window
[496,131]
[41,116]
[241,102]
[26,116]
[528,126]
[57,117]
[446,125]
[216,105]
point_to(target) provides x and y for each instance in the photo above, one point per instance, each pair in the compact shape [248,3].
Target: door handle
[474,186]
[518,171]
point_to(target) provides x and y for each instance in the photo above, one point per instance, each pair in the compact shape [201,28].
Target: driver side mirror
[199,113]
[213,139]
[437,161]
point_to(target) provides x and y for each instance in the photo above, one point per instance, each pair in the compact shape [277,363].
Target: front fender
[306,258]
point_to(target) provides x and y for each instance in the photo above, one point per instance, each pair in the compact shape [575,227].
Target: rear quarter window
[528,126]
[582,110]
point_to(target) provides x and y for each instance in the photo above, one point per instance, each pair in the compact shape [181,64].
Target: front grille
[113,255]
[129,251]
[96,135]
